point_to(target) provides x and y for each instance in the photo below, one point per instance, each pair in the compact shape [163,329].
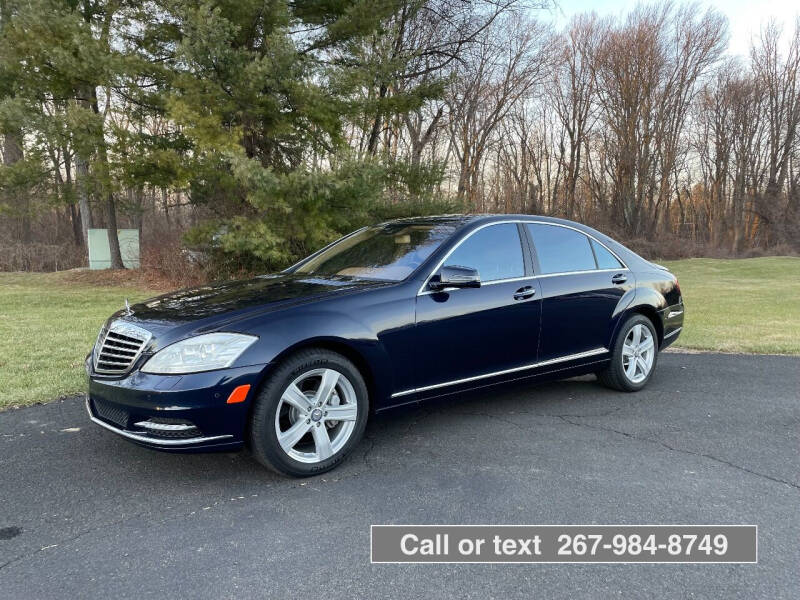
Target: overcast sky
[745,18]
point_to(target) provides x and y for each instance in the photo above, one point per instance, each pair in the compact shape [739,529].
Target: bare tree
[500,70]
[423,39]
[636,124]
[780,79]
[573,98]
[646,76]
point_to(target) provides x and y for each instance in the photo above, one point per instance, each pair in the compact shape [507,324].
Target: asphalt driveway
[713,439]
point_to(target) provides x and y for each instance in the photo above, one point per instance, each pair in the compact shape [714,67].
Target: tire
[287,406]
[617,374]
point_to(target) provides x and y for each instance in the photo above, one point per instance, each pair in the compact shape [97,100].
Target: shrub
[37,256]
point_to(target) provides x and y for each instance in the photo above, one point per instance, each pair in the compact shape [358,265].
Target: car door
[473,333]
[582,282]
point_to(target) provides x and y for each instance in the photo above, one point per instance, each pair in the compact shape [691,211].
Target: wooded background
[239,135]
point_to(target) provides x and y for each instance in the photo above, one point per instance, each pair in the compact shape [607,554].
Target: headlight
[202,353]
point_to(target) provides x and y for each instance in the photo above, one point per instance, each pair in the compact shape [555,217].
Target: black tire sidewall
[264,438]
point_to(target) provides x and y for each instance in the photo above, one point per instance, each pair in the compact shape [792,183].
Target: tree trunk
[12,154]
[77,220]
[82,177]
[82,171]
[76,225]
[111,207]
[165,202]
[113,238]
[136,200]
[374,136]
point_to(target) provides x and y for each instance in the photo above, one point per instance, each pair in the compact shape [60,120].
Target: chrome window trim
[142,438]
[438,266]
[423,291]
[544,363]
[496,281]
[483,284]
[591,237]
[527,278]
[581,272]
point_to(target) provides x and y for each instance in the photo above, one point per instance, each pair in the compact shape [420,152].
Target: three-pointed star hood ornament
[128,310]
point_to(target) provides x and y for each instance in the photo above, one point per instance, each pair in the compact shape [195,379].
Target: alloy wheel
[316,415]
[638,353]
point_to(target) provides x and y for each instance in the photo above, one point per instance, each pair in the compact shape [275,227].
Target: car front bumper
[177,413]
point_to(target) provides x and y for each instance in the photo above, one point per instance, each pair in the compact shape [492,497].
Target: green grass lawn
[47,326]
[746,305]
[49,321]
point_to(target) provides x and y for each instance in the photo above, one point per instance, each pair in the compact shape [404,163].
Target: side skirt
[551,374]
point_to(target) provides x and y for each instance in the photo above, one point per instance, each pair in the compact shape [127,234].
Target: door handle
[619,278]
[524,293]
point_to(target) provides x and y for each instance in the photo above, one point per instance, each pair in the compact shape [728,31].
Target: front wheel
[634,356]
[310,414]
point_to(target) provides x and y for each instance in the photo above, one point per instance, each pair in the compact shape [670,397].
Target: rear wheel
[634,356]
[310,414]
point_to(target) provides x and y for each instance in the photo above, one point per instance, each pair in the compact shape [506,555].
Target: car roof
[455,220]
[458,220]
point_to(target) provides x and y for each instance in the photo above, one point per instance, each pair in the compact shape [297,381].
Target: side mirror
[455,277]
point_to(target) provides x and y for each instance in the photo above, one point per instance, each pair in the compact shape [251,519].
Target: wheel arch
[337,345]
[346,349]
[648,311]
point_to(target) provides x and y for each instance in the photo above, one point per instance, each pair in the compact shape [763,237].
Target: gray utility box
[100,253]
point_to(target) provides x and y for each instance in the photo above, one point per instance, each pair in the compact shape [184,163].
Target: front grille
[110,413]
[118,347]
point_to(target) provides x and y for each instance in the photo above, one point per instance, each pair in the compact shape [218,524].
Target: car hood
[210,307]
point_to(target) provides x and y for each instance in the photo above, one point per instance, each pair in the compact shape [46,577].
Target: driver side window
[495,251]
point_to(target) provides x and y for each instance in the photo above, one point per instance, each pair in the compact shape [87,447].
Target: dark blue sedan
[292,364]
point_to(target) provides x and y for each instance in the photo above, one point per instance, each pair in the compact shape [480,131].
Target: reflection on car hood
[231,300]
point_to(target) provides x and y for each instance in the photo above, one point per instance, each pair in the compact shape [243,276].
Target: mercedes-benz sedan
[292,364]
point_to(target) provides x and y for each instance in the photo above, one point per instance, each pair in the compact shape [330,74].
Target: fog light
[154,425]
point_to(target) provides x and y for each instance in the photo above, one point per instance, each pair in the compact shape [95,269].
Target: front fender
[279,337]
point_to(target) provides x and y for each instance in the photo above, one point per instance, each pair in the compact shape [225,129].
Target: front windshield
[389,252]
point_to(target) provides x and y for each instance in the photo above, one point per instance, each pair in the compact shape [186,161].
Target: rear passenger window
[605,260]
[496,251]
[560,249]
